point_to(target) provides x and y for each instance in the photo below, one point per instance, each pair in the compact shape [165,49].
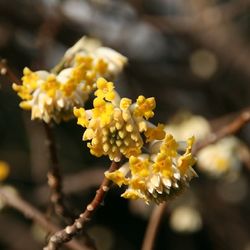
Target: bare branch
[233,127]
[69,232]
[54,177]
[153,226]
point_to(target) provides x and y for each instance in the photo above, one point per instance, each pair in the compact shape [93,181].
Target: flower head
[52,96]
[156,177]
[112,126]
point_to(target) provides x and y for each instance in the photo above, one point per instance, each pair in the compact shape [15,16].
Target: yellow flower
[160,176]
[155,133]
[111,126]
[105,89]
[82,117]
[102,110]
[52,96]
[144,107]
[4,170]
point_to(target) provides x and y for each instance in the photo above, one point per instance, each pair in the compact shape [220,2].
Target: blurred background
[192,56]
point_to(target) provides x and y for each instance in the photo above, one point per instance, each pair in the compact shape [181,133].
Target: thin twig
[54,177]
[233,127]
[6,71]
[12,199]
[69,232]
[73,183]
[153,226]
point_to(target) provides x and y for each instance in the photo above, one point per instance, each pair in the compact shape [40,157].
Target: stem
[229,129]
[54,177]
[14,200]
[153,226]
[6,71]
[69,232]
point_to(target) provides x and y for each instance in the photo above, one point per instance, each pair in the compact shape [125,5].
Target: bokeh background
[190,55]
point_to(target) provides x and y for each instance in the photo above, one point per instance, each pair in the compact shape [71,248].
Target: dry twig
[69,232]
[153,226]
[6,71]
[54,177]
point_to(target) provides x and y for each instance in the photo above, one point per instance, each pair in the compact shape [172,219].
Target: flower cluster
[114,125]
[157,176]
[52,96]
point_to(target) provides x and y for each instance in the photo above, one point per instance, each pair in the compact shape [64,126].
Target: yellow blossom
[155,133]
[111,126]
[144,107]
[52,96]
[160,176]
[105,89]
[82,117]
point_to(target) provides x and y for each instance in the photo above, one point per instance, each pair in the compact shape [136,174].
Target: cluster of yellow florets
[52,96]
[159,176]
[114,125]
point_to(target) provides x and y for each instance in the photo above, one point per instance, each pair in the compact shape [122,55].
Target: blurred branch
[69,232]
[54,177]
[74,183]
[231,128]
[14,200]
[153,226]
[6,71]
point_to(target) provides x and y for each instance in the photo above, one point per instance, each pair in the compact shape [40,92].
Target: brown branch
[69,232]
[54,177]
[76,182]
[229,129]
[13,200]
[153,226]
[6,71]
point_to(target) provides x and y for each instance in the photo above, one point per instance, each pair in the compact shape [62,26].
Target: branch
[233,127]
[76,182]
[6,71]
[69,232]
[153,226]
[54,176]
[14,200]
